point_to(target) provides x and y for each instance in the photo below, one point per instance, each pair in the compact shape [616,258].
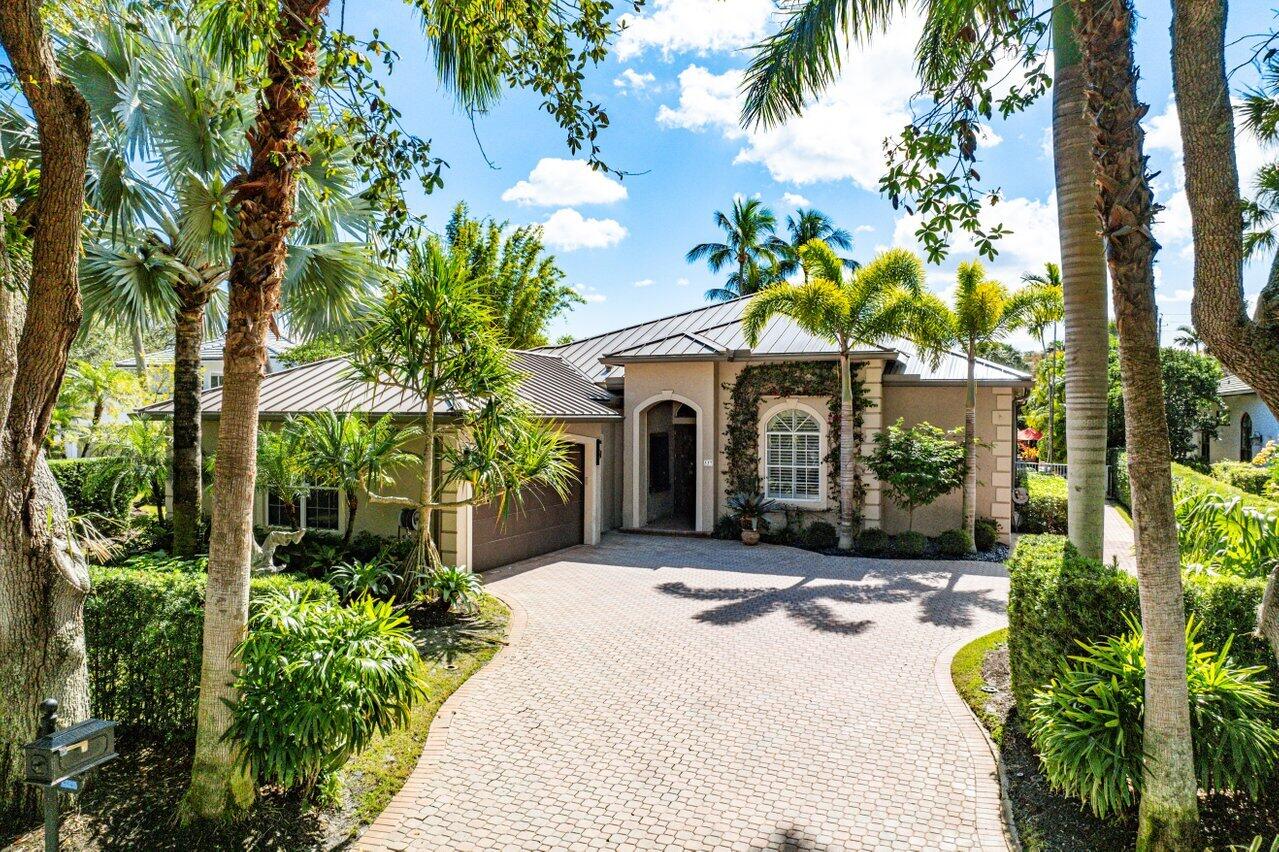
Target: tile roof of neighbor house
[1232,385]
[211,350]
[715,331]
[551,387]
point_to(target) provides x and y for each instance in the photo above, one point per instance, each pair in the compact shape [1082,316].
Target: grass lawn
[966,672]
[130,803]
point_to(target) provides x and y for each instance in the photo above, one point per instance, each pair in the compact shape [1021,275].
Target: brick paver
[1118,540]
[667,693]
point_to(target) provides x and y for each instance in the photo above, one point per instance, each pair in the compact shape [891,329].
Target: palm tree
[984,311]
[1188,338]
[884,299]
[812,224]
[347,452]
[135,463]
[802,59]
[281,466]
[96,385]
[1047,312]
[751,246]
[172,119]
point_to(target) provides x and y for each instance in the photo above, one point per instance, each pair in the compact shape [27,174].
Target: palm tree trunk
[43,579]
[1168,817]
[220,786]
[1083,269]
[1052,401]
[849,455]
[187,463]
[969,513]
[1268,613]
[1248,348]
[139,352]
[352,506]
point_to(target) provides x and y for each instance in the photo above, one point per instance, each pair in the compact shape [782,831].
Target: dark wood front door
[684,470]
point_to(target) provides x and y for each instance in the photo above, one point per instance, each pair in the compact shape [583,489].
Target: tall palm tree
[883,299]
[751,246]
[1188,338]
[984,311]
[812,224]
[803,58]
[347,452]
[172,119]
[1046,314]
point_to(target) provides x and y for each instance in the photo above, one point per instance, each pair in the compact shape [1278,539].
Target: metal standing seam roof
[210,350]
[551,388]
[1232,385]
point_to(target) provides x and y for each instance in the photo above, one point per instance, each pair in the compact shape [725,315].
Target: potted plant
[750,507]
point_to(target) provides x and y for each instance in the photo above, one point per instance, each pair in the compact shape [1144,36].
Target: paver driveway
[696,694]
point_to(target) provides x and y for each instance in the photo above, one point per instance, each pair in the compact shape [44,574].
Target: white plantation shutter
[793,456]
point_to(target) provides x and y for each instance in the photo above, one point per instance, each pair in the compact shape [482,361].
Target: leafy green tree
[1045,407]
[1190,398]
[1045,315]
[918,465]
[136,463]
[883,299]
[751,247]
[281,467]
[319,348]
[1003,353]
[348,452]
[523,284]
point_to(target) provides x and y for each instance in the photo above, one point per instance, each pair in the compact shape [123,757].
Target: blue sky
[669,87]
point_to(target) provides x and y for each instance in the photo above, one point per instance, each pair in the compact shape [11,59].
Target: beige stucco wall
[943,406]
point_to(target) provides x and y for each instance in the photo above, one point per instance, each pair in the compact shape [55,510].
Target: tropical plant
[804,226]
[917,465]
[317,682]
[1087,727]
[984,310]
[355,579]
[523,284]
[136,458]
[281,467]
[751,246]
[883,299]
[452,587]
[1046,314]
[1219,532]
[749,508]
[347,452]
[99,385]
[1188,338]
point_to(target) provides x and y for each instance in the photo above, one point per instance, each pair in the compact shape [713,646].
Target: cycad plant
[751,247]
[886,298]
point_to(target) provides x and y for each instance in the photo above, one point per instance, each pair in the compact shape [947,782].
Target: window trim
[776,407]
[264,504]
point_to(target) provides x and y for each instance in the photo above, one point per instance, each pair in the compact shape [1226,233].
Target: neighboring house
[645,412]
[1249,423]
[211,358]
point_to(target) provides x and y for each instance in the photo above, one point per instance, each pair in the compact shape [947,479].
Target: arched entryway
[1245,437]
[666,444]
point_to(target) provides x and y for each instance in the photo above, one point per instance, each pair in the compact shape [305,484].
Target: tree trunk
[265,199]
[1168,817]
[849,455]
[968,514]
[1052,402]
[1247,347]
[1268,613]
[139,353]
[1083,273]
[352,506]
[187,462]
[43,579]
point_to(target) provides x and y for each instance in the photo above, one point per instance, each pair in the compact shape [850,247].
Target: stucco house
[211,357]
[664,418]
[1249,423]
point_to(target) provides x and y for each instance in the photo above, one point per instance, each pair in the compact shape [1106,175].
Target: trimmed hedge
[1045,512]
[1057,599]
[1123,487]
[71,475]
[143,629]
[986,533]
[1242,475]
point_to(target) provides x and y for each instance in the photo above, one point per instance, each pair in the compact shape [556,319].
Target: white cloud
[839,136]
[699,26]
[1180,295]
[987,138]
[681,282]
[645,282]
[864,229]
[568,230]
[631,80]
[589,293]
[1032,241]
[555,182]
[792,199]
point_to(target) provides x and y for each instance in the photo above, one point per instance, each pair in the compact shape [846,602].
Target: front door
[684,471]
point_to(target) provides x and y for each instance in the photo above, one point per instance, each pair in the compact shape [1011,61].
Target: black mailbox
[55,757]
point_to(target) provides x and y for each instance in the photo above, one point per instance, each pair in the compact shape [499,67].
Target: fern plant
[453,587]
[355,579]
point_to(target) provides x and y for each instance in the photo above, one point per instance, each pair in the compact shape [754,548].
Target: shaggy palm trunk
[1083,272]
[220,784]
[43,579]
[969,512]
[849,456]
[1168,816]
[1248,348]
[187,464]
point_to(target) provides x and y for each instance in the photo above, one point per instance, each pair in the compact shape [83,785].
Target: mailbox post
[56,756]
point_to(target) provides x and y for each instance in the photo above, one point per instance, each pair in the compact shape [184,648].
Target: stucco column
[1001,504]
[872,376]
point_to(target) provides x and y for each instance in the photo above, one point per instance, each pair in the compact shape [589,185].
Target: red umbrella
[1029,434]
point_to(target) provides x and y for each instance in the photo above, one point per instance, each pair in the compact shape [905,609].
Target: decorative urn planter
[750,538]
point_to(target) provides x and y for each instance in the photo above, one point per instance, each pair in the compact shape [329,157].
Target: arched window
[1245,437]
[793,456]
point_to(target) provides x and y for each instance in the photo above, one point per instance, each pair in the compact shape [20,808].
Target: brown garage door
[544,521]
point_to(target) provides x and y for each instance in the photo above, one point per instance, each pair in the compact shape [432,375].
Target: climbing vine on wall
[786,378]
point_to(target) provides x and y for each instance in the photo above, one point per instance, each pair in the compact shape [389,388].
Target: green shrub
[871,541]
[727,528]
[356,579]
[1119,474]
[1087,723]
[1242,475]
[954,543]
[819,535]
[1185,480]
[318,681]
[1223,534]
[143,635]
[1045,512]
[73,475]
[160,561]
[986,533]
[910,544]
[453,587]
